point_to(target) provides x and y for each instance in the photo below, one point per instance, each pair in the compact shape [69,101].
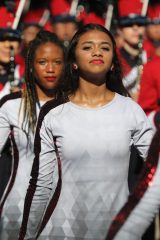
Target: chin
[5,60]
[50,85]
[49,88]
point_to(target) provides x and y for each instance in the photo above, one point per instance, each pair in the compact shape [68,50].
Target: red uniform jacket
[149,97]
[149,48]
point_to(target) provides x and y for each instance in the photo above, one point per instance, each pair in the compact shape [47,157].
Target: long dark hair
[30,94]
[113,78]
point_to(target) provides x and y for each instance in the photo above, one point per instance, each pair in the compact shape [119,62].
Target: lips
[50,78]
[97,61]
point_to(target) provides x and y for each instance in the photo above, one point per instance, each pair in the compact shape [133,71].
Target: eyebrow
[93,42]
[45,59]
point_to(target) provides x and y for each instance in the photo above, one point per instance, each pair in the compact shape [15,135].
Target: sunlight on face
[94,53]
[48,64]
[153,31]
[131,34]
[65,31]
[5,50]
[29,34]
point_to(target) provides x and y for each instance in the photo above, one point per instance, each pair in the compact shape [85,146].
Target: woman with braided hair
[82,146]
[18,116]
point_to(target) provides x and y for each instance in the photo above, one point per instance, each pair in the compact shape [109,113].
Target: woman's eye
[87,48]
[42,62]
[58,62]
[106,48]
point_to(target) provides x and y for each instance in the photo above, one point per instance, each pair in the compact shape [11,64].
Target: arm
[149,92]
[143,131]
[5,120]
[4,127]
[148,95]
[144,201]
[4,154]
[45,182]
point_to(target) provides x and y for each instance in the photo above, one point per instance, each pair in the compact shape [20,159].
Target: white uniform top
[7,87]
[94,148]
[10,124]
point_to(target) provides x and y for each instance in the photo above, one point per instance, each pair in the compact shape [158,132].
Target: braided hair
[30,96]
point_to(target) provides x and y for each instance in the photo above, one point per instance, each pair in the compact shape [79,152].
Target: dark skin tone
[94,53]
[48,66]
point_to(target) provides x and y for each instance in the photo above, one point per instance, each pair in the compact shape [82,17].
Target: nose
[7,44]
[135,27]
[157,29]
[50,67]
[96,51]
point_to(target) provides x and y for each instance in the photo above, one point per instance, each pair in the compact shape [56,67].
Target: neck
[45,95]
[91,95]
[131,49]
[3,69]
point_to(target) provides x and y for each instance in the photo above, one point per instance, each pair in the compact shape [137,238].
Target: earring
[31,70]
[112,67]
[75,66]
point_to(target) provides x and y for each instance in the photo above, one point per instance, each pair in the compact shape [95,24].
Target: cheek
[60,31]
[1,46]
[38,69]
[132,37]
[109,58]
[37,73]
[59,70]
[82,60]
[126,33]
[81,56]
[4,57]
[141,31]
[40,80]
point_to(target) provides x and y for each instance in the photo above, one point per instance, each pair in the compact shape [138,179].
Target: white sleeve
[151,117]
[143,203]
[4,127]
[43,183]
[143,131]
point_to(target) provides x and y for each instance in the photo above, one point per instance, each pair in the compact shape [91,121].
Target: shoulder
[129,105]
[124,100]
[132,105]
[134,114]
[153,64]
[10,97]
[53,108]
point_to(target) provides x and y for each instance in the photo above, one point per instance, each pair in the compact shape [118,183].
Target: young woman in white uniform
[18,116]
[83,145]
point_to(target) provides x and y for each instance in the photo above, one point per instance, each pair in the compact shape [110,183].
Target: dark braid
[30,94]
